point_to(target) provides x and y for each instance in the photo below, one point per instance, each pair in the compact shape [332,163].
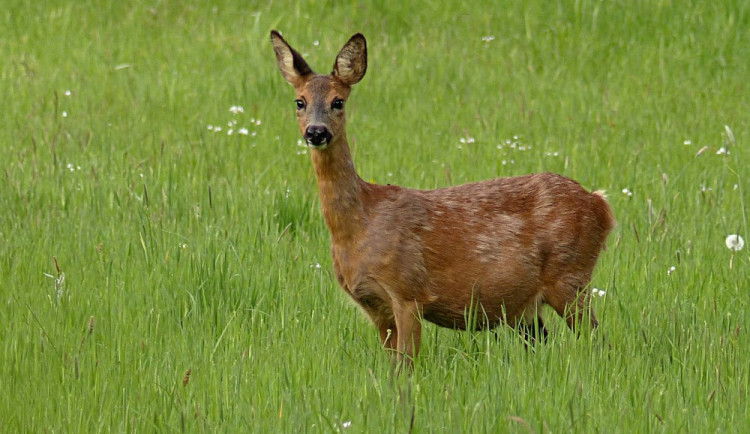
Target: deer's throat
[340,191]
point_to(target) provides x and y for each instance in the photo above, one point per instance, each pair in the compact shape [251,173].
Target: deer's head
[321,99]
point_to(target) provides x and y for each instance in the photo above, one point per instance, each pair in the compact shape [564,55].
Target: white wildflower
[236,109]
[627,192]
[687,143]
[671,270]
[242,131]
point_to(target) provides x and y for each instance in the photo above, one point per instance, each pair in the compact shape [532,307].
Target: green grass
[187,249]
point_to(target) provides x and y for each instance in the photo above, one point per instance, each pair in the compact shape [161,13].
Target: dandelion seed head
[735,243]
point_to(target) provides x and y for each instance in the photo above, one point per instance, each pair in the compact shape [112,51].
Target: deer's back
[498,242]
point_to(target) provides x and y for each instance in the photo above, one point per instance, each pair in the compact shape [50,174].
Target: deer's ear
[293,67]
[351,63]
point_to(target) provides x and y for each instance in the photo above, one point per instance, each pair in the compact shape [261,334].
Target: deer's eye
[338,104]
[300,104]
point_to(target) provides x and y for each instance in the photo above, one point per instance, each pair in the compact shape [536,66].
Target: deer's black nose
[317,135]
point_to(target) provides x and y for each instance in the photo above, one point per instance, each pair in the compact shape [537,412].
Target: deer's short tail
[604,214]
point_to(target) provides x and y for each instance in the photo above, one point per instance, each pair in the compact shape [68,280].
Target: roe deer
[501,246]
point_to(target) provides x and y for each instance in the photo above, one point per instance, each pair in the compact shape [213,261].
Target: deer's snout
[317,135]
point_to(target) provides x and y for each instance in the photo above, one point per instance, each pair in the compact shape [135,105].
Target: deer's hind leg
[533,331]
[572,302]
[530,325]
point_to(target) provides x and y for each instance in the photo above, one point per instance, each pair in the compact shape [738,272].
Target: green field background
[160,275]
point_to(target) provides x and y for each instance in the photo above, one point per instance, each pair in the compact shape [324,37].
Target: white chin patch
[318,147]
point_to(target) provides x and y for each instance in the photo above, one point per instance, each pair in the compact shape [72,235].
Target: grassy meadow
[164,264]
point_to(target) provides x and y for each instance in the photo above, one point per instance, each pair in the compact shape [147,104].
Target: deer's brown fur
[500,247]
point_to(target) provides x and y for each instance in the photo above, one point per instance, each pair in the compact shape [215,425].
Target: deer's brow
[319,85]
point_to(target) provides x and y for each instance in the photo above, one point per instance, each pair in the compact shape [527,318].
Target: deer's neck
[340,191]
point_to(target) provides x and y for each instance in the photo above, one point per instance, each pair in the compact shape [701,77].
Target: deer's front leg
[388,334]
[408,330]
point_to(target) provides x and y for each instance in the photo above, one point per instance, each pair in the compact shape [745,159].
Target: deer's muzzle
[317,135]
